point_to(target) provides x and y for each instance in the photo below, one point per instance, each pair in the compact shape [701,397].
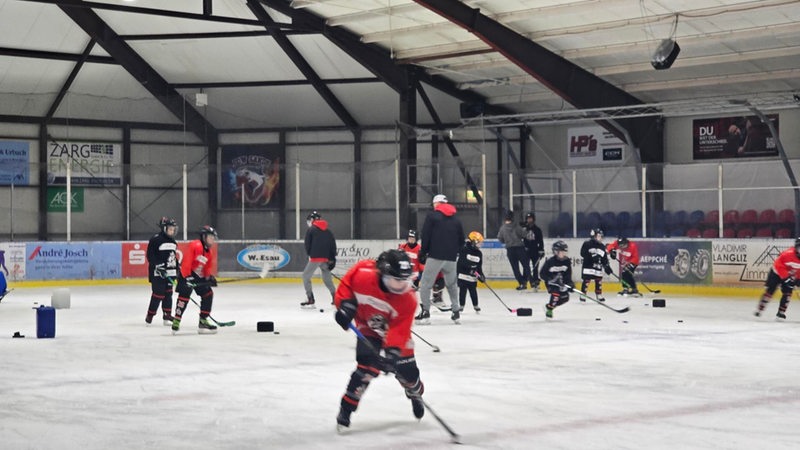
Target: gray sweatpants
[308,272]
[432,268]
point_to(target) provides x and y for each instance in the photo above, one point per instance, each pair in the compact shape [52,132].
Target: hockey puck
[596,318]
[277,332]
[624,321]
[321,310]
[680,321]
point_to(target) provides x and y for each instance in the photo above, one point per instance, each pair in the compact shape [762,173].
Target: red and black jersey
[380,314]
[627,255]
[787,264]
[413,254]
[198,260]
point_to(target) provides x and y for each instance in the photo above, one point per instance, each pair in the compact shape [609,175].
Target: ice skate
[417,407]
[168,319]
[423,318]
[780,316]
[309,303]
[342,420]
[548,311]
[456,317]
[601,299]
[635,293]
[477,309]
[623,292]
[176,325]
[521,287]
[149,319]
[206,327]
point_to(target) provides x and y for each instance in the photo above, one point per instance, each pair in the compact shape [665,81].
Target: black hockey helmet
[596,233]
[412,233]
[167,222]
[530,215]
[395,263]
[206,230]
[313,215]
[622,241]
[559,246]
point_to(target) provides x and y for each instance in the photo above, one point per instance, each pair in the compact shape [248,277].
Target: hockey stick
[435,348]
[454,437]
[623,310]
[3,295]
[221,324]
[521,312]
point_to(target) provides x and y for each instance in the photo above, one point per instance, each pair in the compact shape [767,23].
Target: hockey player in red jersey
[197,273]
[785,272]
[377,296]
[411,247]
[627,253]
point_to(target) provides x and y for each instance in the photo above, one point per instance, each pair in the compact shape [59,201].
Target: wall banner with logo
[91,163]
[72,261]
[733,137]
[14,163]
[252,174]
[593,145]
[12,260]
[57,199]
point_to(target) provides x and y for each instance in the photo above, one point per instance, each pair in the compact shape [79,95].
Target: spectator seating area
[767,223]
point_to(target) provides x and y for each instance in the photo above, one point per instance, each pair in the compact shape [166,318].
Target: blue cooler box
[45,322]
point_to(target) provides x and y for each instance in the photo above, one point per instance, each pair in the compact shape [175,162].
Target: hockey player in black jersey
[470,271]
[557,275]
[162,269]
[595,262]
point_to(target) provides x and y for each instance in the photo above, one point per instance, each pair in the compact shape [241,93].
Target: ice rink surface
[721,379]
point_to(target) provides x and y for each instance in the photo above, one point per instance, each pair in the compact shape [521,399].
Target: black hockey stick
[454,437]
[221,324]
[521,312]
[3,295]
[623,310]
[435,348]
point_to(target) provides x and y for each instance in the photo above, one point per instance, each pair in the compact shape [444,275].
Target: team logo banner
[251,175]
[91,163]
[14,163]
[733,137]
[593,145]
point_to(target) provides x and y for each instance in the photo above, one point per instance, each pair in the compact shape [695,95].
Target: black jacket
[442,233]
[533,240]
[320,243]
[470,260]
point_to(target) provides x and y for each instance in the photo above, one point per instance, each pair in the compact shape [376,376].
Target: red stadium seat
[783,233]
[768,217]
[748,217]
[712,218]
[693,233]
[786,218]
[764,232]
[728,232]
[710,233]
[745,233]
[730,218]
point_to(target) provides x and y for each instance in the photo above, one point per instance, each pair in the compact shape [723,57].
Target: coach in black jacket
[442,237]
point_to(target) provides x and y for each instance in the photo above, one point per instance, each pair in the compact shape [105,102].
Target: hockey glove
[481,277]
[191,281]
[613,254]
[630,267]
[346,313]
[388,362]
[212,281]
[160,270]
[331,264]
[422,258]
[608,270]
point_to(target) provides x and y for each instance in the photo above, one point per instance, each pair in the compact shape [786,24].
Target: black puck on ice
[321,310]
[277,332]
[680,321]
[596,318]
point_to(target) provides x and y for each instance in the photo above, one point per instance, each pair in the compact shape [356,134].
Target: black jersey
[161,250]
[595,258]
[470,260]
[557,272]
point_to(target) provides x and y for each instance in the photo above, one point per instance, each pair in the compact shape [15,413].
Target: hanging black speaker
[665,54]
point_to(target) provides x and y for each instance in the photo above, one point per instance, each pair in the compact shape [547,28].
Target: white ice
[719,379]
